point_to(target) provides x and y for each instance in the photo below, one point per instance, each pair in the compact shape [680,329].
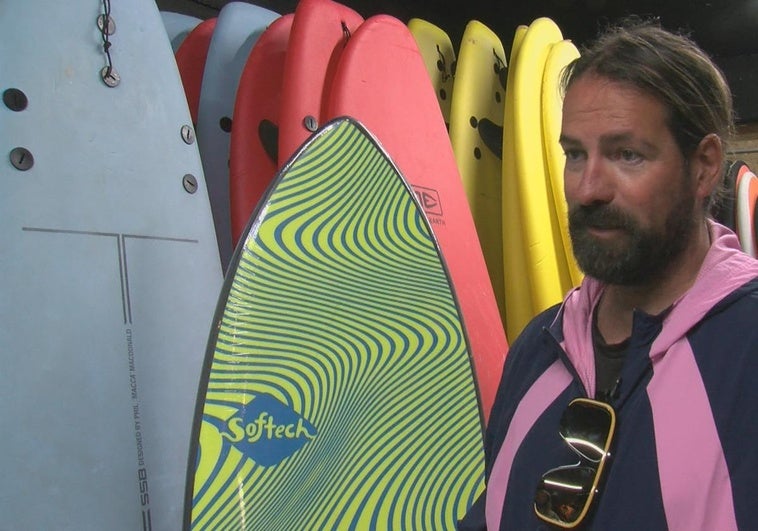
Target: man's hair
[668,66]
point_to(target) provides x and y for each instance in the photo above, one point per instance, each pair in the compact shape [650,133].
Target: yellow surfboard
[476,134]
[559,56]
[540,230]
[439,57]
[517,295]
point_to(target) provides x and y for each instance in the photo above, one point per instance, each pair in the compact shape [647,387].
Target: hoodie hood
[724,269]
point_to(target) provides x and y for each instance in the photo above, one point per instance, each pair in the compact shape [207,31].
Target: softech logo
[267,431]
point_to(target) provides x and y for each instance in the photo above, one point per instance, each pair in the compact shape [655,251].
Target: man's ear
[707,165]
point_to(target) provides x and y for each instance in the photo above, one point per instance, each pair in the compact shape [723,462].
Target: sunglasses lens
[586,427]
[565,493]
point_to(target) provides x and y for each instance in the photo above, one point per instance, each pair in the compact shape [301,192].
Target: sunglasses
[565,494]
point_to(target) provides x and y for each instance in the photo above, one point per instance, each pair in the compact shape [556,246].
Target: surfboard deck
[319,33]
[254,144]
[238,27]
[381,80]
[339,391]
[476,135]
[438,53]
[109,271]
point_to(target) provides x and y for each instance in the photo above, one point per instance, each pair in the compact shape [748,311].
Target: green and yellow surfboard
[339,391]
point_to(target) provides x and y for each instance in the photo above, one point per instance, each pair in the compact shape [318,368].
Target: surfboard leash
[107,27]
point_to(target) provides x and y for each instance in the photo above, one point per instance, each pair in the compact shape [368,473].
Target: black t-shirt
[608,362]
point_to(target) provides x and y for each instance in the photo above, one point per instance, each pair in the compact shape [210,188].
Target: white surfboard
[747,190]
[238,27]
[178,26]
[109,269]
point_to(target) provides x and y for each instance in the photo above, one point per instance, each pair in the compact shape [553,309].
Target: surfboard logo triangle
[429,200]
[267,431]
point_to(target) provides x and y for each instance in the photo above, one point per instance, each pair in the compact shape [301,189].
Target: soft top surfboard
[319,33]
[254,145]
[476,135]
[518,297]
[339,391]
[723,208]
[109,269]
[547,276]
[178,26]
[559,55]
[381,81]
[547,273]
[439,57]
[747,196]
[190,58]
[237,29]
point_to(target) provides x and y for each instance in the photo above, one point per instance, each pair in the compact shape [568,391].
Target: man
[664,327]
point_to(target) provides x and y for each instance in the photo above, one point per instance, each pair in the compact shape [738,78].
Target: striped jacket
[685,455]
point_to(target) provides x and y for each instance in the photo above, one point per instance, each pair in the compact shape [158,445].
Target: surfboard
[254,144]
[723,209]
[190,59]
[339,391]
[178,26]
[438,53]
[539,226]
[319,33]
[747,196]
[559,55]
[238,27]
[381,80]
[109,269]
[518,297]
[476,135]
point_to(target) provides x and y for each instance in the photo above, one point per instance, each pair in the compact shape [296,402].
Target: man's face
[631,201]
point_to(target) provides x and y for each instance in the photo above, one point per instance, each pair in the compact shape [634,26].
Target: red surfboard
[190,58]
[319,33]
[746,198]
[253,156]
[381,80]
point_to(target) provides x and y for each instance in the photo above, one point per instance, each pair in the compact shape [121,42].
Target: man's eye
[629,155]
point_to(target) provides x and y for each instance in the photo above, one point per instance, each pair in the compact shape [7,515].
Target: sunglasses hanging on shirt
[565,494]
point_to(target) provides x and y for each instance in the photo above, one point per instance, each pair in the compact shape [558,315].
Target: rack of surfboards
[241,281]
[357,329]
[504,127]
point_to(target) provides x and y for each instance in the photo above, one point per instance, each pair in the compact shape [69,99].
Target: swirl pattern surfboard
[339,391]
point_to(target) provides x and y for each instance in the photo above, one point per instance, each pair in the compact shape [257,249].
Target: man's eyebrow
[567,140]
[607,139]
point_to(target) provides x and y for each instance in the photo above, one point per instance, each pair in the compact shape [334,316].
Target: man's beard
[639,256]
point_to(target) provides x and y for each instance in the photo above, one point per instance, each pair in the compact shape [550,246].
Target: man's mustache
[604,217]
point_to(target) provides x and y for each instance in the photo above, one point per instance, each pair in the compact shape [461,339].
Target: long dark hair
[669,66]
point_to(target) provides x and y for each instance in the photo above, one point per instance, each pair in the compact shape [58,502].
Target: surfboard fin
[492,136]
[268,132]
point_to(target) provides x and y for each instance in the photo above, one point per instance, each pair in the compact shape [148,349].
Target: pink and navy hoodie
[685,453]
